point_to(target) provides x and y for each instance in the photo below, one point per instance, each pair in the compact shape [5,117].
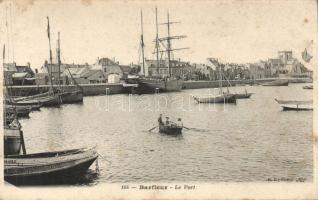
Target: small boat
[243,95]
[170,129]
[18,107]
[279,82]
[45,167]
[12,140]
[220,98]
[295,105]
[308,87]
[71,97]
[20,111]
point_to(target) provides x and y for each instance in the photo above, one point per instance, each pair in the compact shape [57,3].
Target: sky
[232,31]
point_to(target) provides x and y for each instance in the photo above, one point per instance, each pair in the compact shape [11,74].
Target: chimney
[28,64]
[36,70]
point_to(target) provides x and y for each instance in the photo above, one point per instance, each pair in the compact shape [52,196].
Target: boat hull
[295,105]
[243,95]
[146,86]
[277,83]
[12,141]
[308,87]
[42,168]
[222,98]
[71,97]
[170,130]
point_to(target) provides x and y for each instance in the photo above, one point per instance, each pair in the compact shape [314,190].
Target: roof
[19,75]
[90,73]
[125,68]
[106,61]
[75,70]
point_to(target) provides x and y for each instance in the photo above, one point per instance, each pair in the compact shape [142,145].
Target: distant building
[108,66]
[177,68]
[18,74]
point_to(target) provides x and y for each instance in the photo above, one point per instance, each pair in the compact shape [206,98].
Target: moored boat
[295,105]
[47,167]
[12,140]
[155,85]
[243,95]
[20,111]
[219,98]
[308,87]
[71,97]
[279,82]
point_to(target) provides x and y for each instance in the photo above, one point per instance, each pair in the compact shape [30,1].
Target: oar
[152,129]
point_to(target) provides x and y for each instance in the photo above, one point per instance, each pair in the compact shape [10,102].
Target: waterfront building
[178,68]
[18,74]
[108,66]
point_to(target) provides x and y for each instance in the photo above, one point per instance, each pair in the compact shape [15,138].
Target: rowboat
[170,129]
[12,141]
[279,82]
[47,167]
[308,87]
[219,98]
[295,105]
[243,95]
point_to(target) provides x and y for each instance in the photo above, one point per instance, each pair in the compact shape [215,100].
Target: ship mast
[168,48]
[49,36]
[59,58]
[142,44]
[168,45]
[157,41]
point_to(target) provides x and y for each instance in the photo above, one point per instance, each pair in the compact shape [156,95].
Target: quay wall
[117,88]
[88,89]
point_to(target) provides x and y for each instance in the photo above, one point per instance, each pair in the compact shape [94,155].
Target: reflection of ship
[165,81]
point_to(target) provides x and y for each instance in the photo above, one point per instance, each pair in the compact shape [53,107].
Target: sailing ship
[221,97]
[155,84]
[295,105]
[74,96]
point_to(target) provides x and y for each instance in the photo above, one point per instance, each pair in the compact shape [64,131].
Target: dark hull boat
[243,95]
[308,87]
[171,129]
[12,141]
[47,167]
[71,97]
[221,98]
[277,83]
[18,107]
[20,111]
[295,105]
[153,85]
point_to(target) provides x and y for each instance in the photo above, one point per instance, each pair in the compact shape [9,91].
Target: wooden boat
[32,107]
[243,95]
[219,98]
[295,105]
[71,97]
[20,111]
[279,82]
[75,96]
[42,168]
[171,129]
[308,87]
[12,140]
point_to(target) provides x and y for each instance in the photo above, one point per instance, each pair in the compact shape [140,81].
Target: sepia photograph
[172,99]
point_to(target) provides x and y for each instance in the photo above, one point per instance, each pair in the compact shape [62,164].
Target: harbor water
[252,140]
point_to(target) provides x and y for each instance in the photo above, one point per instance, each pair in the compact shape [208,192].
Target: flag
[48,27]
[306,56]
